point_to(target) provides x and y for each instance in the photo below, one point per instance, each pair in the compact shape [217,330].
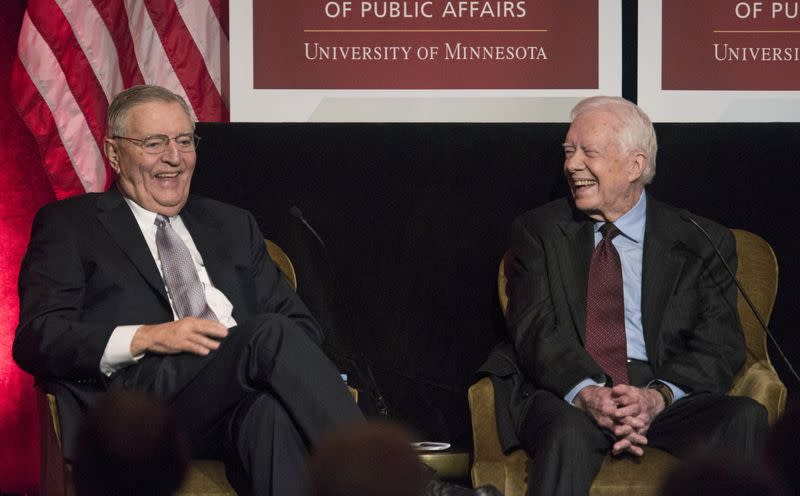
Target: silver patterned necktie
[180,275]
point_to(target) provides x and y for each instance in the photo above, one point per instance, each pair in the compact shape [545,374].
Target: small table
[451,464]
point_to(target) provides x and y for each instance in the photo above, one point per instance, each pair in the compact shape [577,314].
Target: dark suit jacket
[88,270]
[691,326]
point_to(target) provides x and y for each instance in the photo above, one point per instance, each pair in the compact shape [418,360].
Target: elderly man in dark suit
[623,321]
[150,288]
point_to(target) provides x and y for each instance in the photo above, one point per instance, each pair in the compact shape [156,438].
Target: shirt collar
[145,218]
[632,222]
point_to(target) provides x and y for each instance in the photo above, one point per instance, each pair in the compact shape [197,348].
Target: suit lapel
[117,218]
[574,255]
[661,268]
[206,233]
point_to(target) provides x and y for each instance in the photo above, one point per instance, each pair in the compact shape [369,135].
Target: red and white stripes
[75,55]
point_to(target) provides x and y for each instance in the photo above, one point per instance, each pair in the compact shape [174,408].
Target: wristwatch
[663,390]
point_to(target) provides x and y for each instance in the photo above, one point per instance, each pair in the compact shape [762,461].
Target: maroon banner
[730,45]
[498,44]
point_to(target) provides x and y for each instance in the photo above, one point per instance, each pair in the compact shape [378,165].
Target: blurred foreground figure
[715,474]
[130,444]
[376,459]
[367,459]
[782,446]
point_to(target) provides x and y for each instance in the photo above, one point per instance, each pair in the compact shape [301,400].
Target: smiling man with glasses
[147,287]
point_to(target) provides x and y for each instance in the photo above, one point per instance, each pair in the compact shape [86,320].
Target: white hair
[637,133]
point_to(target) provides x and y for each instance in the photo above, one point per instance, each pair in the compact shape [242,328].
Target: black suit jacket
[691,326]
[88,270]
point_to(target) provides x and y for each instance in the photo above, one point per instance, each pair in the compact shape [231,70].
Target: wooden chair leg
[53,478]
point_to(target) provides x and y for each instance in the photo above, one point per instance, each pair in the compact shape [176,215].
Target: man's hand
[598,402]
[189,334]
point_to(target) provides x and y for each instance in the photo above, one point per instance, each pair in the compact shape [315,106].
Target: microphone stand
[359,362]
[686,217]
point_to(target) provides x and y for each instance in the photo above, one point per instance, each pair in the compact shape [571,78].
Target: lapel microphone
[370,382]
[686,217]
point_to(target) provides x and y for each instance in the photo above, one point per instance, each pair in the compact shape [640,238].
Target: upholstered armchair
[758,273]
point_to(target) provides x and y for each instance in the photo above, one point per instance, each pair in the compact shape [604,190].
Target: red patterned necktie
[605,309]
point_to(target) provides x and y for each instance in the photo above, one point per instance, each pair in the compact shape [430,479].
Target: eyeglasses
[157,143]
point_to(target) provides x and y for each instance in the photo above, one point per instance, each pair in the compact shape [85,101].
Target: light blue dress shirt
[630,246]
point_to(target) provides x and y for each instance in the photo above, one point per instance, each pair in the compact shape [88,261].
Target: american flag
[75,55]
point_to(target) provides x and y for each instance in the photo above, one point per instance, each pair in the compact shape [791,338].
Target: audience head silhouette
[130,444]
[367,459]
[782,444]
[715,474]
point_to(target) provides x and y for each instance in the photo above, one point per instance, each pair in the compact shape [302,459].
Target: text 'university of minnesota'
[452,51]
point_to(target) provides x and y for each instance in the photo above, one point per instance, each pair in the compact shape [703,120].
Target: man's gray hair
[637,133]
[144,93]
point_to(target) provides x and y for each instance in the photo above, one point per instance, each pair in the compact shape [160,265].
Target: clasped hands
[626,411]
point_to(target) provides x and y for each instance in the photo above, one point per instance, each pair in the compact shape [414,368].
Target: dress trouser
[567,448]
[258,402]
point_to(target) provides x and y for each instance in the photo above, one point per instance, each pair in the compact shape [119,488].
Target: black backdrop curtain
[417,216]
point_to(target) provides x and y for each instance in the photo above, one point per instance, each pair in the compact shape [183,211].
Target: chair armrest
[760,382]
[486,441]
[490,465]
[488,461]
